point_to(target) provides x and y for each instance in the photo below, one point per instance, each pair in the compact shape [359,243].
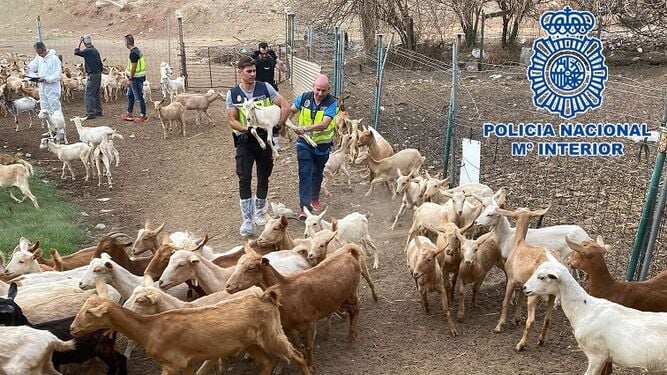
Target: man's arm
[232,115]
[77,50]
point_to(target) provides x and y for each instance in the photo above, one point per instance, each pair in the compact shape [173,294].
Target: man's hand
[129,81]
[300,131]
[41,80]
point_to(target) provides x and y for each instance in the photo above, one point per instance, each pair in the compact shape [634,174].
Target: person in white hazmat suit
[47,69]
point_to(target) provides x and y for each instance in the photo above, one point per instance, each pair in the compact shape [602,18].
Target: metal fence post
[168,40]
[649,201]
[290,31]
[39,29]
[378,74]
[184,68]
[335,61]
[210,74]
[657,213]
[451,115]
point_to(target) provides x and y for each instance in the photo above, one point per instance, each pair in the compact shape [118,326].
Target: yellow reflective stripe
[323,136]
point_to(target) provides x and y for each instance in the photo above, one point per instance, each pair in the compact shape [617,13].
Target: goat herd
[256,297]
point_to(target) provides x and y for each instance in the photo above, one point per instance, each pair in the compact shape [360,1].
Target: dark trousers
[136,92]
[92,97]
[311,168]
[248,153]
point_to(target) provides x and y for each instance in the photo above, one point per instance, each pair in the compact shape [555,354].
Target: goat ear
[159,229]
[148,280]
[108,265]
[502,212]
[418,242]
[193,259]
[283,221]
[13,289]
[540,212]
[322,214]
[552,276]
[307,211]
[98,311]
[447,194]
[147,224]
[24,244]
[575,246]
[35,247]
[479,199]
[444,184]
[481,239]
[333,235]
[599,241]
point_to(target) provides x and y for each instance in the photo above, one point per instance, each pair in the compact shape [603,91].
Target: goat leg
[253,131]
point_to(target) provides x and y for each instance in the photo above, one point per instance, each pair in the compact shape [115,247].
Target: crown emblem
[567,22]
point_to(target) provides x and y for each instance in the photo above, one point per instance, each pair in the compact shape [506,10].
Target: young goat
[255,327]
[68,153]
[422,259]
[171,113]
[199,103]
[336,163]
[408,160]
[55,122]
[411,187]
[603,329]
[107,154]
[17,175]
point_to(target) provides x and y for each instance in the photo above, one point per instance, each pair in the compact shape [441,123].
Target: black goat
[96,344]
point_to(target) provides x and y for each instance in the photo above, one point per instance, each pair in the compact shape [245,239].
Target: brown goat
[310,295]
[649,295]
[248,323]
[114,244]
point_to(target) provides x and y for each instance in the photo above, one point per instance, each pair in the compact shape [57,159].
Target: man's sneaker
[141,119]
[315,204]
[302,215]
[127,117]
[90,117]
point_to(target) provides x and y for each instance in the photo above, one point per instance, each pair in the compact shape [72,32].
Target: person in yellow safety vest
[316,109]
[248,150]
[136,73]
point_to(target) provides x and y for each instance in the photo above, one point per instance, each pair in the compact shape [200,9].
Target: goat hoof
[520,347]
[498,329]
[541,342]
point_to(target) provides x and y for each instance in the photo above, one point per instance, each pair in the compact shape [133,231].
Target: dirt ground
[190,184]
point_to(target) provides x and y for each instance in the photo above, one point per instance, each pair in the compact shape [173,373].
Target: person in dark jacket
[266,62]
[93,67]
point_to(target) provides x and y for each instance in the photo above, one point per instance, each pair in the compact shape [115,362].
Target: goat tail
[116,135]
[271,295]
[64,346]
[356,251]
[27,165]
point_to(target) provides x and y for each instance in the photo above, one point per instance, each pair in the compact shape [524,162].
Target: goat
[521,263]
[22,105]
[422,260]
[94,135]
[310,295]
[198,102]
[588,256]
[411,187]
[105,153]
[95,344]
[171,113]
[27,350]
[54,122]
[17,175]
[353,228]
[335,163]
[256,329]
[478,257]
[408,160]
[68,153]
[603,328]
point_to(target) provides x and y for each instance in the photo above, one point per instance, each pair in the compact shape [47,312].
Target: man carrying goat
[248,149]
[316,110]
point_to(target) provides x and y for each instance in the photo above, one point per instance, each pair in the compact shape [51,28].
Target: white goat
[353,228]
[553,238]
[336,163]
[68,153]
[17,175]
[25,350]
[262,117]
[107,154]
[603,328]
[54,122]
[93,135]
[412,188]
[22,105]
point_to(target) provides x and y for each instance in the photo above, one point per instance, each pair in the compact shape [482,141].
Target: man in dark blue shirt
[93,67]
[266,62]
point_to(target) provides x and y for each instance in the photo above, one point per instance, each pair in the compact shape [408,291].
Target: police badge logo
[306,103]
[567,70]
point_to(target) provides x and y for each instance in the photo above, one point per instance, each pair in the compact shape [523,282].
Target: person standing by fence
[136,72]
[316,110]
[93,67]
[248,150]
[266,62]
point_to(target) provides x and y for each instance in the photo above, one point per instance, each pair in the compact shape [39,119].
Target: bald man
[316,109]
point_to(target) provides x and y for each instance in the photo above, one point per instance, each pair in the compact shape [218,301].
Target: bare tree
[517,9]
[467,12]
